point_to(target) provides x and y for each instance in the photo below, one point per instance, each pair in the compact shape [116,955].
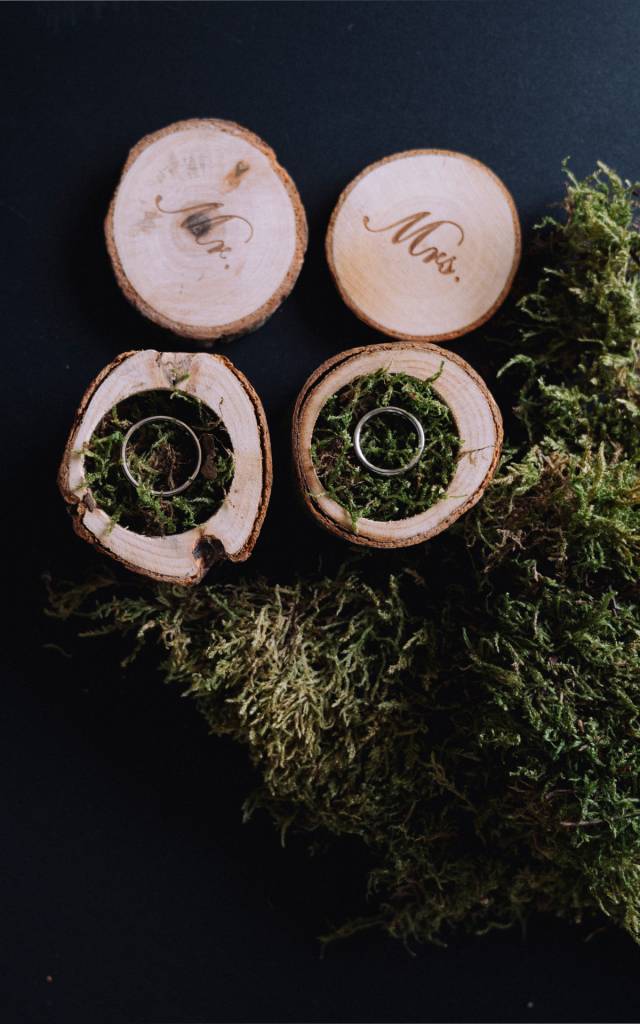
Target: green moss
[473,717]
[579,345]
[161,456]
[388,442]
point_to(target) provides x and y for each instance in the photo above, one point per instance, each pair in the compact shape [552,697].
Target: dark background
[127,878]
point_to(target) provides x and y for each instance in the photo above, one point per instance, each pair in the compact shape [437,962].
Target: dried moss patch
[161,456]
[388,442]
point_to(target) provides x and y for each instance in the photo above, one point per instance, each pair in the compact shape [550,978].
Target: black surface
[127,877]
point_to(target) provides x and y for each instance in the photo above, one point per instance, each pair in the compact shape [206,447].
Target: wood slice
[474,410]
[206,230]
[233,530]
[424,245]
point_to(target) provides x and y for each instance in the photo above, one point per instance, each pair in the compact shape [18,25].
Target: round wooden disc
[232,531]
[206,231]
[474,410]
[424,245]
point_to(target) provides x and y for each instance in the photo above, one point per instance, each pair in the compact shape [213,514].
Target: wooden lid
[424,245]
[206,231]
[233,530]
[474,410]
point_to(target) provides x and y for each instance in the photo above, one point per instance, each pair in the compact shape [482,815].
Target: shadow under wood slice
[232,531]
[206,231]
[475,413]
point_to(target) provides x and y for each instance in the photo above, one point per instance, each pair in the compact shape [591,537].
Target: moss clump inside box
[388,442]
[161,456]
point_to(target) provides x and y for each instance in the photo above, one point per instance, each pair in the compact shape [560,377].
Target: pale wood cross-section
[206,231]
[233,530]
[474,410]
[424,245]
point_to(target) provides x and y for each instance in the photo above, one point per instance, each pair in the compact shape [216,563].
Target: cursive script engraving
[416,232]
[203,220]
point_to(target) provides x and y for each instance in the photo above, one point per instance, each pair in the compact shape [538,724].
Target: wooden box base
[232,531]
[474,410]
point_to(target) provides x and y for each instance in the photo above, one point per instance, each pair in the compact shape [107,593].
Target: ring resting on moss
[160,458]
[346,422]
[389,410]
[175,487]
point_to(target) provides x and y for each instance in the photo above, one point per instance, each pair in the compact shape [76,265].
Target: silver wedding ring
[392,410]
[154,419]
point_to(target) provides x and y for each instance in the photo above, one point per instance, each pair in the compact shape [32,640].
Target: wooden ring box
[476,415]
[206,231]
[232,531]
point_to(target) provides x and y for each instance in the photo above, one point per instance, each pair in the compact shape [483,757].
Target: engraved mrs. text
[416,231]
